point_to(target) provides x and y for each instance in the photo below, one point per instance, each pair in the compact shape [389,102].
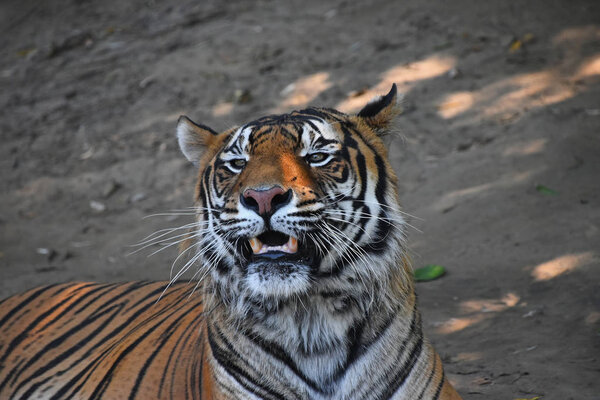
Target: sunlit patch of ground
[406,76]
[507,99]
[301,93]
[524,149]
[479,310]
[561,265]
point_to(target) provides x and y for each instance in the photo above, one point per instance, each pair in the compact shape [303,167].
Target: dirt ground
[498,153]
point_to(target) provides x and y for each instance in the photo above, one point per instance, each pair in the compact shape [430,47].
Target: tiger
[305,288]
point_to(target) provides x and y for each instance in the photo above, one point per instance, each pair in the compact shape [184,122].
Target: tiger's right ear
[193,138]
[380,111]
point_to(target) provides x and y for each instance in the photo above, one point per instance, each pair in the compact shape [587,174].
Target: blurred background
[498,151]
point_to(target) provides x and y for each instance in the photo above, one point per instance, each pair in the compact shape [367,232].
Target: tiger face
[296,205]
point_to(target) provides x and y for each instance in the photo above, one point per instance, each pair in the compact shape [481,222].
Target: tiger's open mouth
[273,242]
[277,265]
[273,247]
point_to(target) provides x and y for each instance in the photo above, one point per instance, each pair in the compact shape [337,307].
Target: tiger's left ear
[194,138]
[380,111]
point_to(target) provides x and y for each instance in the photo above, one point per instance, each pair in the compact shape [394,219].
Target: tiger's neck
[320,343]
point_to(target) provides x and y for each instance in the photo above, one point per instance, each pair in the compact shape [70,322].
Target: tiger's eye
[316,157]
[238,163]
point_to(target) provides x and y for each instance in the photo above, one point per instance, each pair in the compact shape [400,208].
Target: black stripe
[319,113]
[106,338]
[75,303]
[429,378]
[400,377]
[27,394]
[196,372]
[322,142]
[439,388]
[258,136]
[355,348]
[289,135]
[310,123]
[303,213]
[345,174]
[382,231]
[25,333]
[382,329]
[232,221]
[307,202]
[382,182]
[159,347]
[23,303]
[205,183]
[185,338]
[280,354]
[233,146]
[106,380]
[236,145]
[153,294]
[226,359]
[56,342]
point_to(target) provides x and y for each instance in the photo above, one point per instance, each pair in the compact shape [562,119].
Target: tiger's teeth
[256,245]
[292,245]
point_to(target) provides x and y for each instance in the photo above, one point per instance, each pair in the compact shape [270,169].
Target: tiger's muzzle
[272,251]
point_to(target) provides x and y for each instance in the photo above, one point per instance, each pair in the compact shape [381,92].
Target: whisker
[389,220]
[197,244]
[162,232]
[350,223]
[170,214]
[164,237]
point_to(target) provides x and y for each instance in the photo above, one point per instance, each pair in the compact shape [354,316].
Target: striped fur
[331,317]
[108,341]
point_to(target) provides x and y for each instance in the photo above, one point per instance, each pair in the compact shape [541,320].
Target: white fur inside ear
[189,140]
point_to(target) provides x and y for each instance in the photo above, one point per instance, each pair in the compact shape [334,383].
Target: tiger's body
[103,341]
[306,292]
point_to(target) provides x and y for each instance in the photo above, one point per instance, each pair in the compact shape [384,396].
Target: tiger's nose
[265,201]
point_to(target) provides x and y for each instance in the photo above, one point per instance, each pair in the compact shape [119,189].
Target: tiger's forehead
[303,134]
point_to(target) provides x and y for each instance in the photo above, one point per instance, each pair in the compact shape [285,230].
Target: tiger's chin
[278,266]
[277,279]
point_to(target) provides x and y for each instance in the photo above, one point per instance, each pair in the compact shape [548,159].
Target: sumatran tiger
[306,291]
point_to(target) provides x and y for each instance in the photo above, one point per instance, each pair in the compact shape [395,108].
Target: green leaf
[429,273]
[546,190]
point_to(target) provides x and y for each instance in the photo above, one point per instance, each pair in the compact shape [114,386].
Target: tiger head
[297,205]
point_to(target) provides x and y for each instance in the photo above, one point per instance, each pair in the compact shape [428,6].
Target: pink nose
[265,201]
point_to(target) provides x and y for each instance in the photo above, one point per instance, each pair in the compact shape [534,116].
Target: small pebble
[454,73]
[137,197]
[97,206]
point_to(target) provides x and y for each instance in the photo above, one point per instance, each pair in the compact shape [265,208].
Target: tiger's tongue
[258,247]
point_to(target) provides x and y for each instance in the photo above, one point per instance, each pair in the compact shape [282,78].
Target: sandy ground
[501,97]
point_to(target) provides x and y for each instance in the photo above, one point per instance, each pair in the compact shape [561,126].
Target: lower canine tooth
[256,245]
[292,244]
